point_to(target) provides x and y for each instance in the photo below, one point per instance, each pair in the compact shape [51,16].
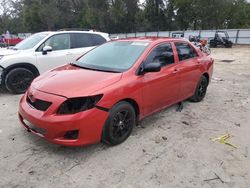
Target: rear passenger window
[162,54]
[81,40]
[98,40]
[185,51]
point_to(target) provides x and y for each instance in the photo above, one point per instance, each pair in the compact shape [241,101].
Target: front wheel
[201,89]
[119,124]
[18,80]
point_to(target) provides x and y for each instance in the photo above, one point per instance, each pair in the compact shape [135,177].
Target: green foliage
[116,16]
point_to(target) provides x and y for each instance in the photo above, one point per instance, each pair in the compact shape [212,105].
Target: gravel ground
[168,149]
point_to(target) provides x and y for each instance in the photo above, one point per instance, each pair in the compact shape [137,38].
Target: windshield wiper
[88,68]
[73,64]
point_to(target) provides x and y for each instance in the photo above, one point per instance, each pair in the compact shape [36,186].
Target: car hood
[9,52]
[70,81]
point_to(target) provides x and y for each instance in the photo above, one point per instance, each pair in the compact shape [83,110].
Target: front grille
[37,103]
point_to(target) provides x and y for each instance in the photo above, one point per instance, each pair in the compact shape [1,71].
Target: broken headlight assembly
[75,105]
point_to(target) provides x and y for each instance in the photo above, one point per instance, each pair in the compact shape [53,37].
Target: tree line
[120,16]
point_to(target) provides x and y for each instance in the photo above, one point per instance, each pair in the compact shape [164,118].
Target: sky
[141,1]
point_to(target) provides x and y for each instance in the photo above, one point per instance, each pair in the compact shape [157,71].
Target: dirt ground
[168,149]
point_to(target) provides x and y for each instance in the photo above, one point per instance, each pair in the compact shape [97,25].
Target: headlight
[1,56]
[75,105]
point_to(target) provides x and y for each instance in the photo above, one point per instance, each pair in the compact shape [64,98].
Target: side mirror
[150,67]
[46,49]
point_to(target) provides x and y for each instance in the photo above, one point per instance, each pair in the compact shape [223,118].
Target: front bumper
[54,127]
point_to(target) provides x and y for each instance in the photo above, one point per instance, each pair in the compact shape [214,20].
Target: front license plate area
[34,128]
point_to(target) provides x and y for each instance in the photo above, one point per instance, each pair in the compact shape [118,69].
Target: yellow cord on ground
[222,139]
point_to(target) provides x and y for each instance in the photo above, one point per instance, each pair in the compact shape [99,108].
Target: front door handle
[69,53]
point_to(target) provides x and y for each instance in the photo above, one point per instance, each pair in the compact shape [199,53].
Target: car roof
[57,32]
[151,39]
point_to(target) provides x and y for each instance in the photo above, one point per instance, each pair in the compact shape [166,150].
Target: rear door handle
[175,71]
[199,61]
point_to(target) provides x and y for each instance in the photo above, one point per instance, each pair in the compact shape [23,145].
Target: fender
[23,65]
[29,66]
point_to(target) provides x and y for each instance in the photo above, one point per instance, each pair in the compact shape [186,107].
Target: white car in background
[42,52]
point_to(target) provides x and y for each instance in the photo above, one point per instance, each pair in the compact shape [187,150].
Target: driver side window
[57,42]
[162,54]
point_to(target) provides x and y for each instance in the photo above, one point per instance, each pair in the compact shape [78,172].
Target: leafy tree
[115,16]
[154,14]
[131,11]
[170,17]
[95,15]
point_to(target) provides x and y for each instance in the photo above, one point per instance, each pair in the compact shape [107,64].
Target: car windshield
[116,56]
[30,42]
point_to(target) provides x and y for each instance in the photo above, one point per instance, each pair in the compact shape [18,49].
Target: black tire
[119,124]
[201,89]
[212,45]
[18,80]
[228,45]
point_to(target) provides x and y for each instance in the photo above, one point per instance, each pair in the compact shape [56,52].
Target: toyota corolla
[102,95]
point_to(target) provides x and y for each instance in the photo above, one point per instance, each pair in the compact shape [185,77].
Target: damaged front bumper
[78,129]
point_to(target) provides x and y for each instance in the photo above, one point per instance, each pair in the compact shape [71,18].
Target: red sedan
[102,95]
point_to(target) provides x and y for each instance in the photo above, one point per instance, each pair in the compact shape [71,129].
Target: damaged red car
[102,95]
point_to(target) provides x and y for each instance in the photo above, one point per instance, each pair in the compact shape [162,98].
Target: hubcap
[121,124]
[21,81]
[202,88]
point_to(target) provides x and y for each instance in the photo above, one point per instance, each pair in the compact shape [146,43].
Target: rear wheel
[201,90]
[119,124]
[18,80]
